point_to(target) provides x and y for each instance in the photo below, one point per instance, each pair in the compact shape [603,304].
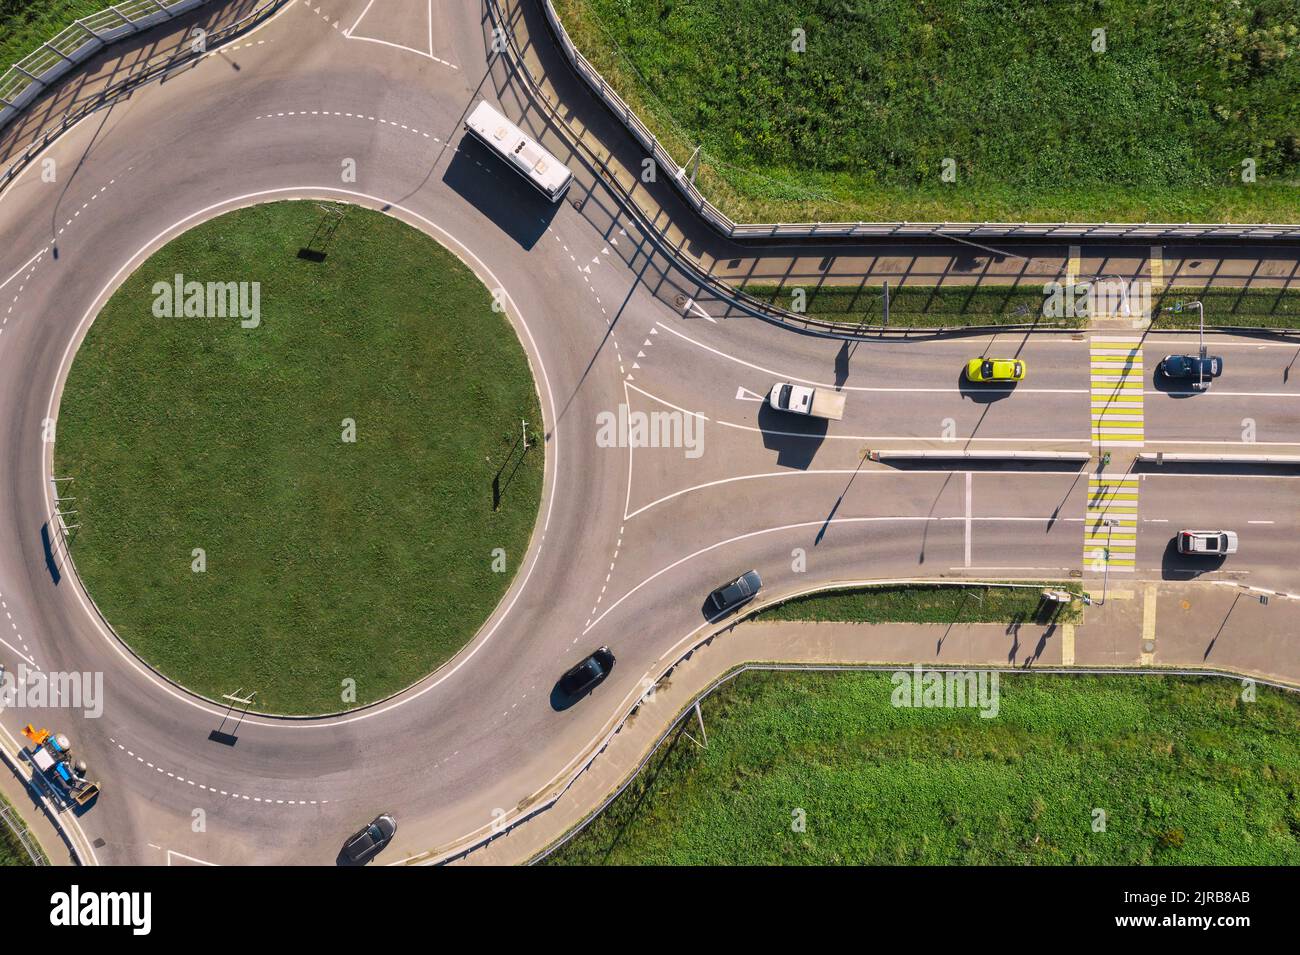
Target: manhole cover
[680,300]
[1148,646]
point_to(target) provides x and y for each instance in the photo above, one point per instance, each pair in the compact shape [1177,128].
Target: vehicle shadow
[795,438]
[561,701]
[711,614]
[984,392]
[1172,387]
[1176,566]
[483,180]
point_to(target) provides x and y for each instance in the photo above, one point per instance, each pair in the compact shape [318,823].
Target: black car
[1198,370]
[732,595]
[366,844]
[588,673]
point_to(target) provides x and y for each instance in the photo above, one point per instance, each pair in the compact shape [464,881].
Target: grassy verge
[924,604]
[327,560]
[923,306]
[12,852]
[1037,123]
[1255,308]
[26,24]
[929,306]
[1185,771]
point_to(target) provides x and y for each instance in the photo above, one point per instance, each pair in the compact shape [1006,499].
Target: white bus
[547,174]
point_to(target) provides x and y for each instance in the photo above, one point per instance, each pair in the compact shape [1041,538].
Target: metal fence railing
[34,73]
[833,230]
[707,284]
[130,17]
[22,834]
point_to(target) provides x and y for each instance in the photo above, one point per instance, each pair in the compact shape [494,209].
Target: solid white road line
[968,496]
[23,266]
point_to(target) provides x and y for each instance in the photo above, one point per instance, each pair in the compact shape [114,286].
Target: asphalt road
[629,542]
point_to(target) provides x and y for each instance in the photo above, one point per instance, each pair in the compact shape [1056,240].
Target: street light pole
[1110,523]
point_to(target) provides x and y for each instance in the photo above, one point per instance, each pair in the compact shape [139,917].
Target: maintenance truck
[63,780]
[800,399]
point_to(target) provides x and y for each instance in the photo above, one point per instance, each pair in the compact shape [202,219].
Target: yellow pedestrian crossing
[1117,382]
[1110,527]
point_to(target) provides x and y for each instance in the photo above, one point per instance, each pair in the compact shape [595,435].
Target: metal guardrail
[135,16]
[34,73]
[738,298]
[22,834]
[861,230]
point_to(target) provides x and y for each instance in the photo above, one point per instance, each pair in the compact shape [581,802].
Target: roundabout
[279,491]
[626,543]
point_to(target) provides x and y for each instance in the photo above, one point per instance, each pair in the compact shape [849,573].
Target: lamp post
[1200,365]
[1109,523]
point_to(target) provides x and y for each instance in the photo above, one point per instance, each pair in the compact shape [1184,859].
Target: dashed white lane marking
[26,652]
[346,115]
[22,284]
[213,789]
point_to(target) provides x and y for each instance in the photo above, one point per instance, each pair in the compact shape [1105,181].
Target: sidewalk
[1142,624]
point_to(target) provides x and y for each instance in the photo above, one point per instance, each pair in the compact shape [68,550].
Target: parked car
[739,591]
[588,673]
[1207,543]
[363,846]
[995,369]
[1195,370]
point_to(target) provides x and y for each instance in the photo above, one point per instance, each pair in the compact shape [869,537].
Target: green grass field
[1185,772]
[1038,124]
[326,560]
[26,24]
[12,852]
[929,306]
[923,604]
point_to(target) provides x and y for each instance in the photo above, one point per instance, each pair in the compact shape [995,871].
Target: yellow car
[995,369]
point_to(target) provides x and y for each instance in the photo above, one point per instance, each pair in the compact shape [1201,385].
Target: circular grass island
[311,486]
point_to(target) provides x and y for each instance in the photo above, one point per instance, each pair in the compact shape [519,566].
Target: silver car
[1207,543]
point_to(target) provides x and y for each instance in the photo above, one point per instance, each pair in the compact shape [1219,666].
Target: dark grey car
[363,846]
[739,591]
[588,673]
[1195,370]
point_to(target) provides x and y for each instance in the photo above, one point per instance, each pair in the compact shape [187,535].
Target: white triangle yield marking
[692,304]
[744,394]
[640,354]
[654,331]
